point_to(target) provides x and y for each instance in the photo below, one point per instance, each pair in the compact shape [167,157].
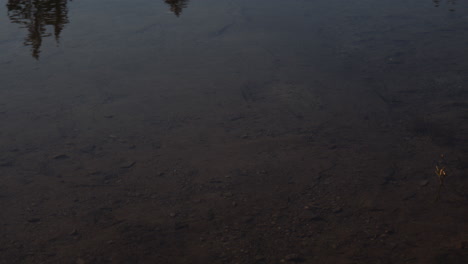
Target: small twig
[441,174]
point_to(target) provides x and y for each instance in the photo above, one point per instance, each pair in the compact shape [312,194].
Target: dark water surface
[216,131]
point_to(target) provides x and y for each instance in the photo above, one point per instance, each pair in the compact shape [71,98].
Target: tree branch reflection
[35,16]
[177,5]
[450,3]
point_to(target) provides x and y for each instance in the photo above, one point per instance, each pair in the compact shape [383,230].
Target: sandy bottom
[281,172]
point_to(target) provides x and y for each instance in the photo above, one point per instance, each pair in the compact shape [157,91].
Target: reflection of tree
[177,5]
[450,2]
[35,15]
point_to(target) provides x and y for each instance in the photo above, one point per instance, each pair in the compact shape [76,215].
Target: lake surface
[216,131]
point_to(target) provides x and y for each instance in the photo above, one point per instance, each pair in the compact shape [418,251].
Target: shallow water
[208,131]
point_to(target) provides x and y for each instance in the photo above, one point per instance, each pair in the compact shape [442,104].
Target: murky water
[216,131]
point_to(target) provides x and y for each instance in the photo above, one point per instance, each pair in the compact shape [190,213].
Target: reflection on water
[451,3]
[177,5]
[35,16]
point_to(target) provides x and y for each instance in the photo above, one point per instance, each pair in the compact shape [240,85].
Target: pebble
[88,149]
[180,225]
[311,216]
[247,219]
[210,215]
[6,164]
[61,157]
[462,245]
[236,117]
[127,165]
[337,210]
[293,258]
[423,183]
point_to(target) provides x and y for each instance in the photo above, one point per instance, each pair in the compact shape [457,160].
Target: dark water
[216,131]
